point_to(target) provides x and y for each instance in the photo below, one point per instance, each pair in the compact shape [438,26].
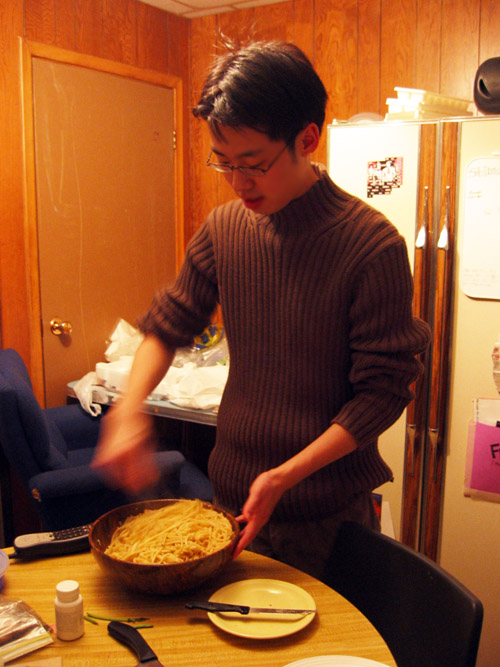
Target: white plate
[335,661]
[262,593]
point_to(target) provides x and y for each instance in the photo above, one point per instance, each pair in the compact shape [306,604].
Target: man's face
[289,177]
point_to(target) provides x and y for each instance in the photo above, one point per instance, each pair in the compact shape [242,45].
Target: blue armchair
[50,451]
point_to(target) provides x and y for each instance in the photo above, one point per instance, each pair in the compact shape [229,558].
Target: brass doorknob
[58,327]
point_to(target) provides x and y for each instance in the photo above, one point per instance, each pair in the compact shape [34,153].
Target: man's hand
[125,452]
[264,494]
[269,486]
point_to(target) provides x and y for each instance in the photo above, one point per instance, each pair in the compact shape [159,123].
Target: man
[315,291]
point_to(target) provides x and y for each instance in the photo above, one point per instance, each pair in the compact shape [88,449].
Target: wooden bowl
[155,578]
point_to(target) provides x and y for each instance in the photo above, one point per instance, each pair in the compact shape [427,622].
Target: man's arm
[269,486]
[125,452]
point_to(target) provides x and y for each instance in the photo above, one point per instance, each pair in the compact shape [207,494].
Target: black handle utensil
[128,635]
[243,609]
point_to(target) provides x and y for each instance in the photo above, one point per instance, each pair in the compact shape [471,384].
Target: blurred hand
[125,451]
[264,494]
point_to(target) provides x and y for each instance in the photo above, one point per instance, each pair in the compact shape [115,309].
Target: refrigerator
[438,181]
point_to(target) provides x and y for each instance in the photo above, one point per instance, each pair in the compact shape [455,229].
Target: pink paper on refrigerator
[483,479]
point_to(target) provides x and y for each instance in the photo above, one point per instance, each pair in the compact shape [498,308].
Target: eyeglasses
[253,172]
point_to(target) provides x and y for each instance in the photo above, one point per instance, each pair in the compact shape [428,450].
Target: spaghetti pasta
[176,533]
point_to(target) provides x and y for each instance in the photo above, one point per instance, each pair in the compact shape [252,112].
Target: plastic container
[416,104]
[69,610]
[4,564]
[416,96]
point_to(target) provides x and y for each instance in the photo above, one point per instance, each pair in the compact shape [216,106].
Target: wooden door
[106,208]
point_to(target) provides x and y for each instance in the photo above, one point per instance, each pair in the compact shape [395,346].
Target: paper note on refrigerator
[480,254]
[482,478]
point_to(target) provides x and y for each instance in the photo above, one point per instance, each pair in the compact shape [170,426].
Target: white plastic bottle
[69,610]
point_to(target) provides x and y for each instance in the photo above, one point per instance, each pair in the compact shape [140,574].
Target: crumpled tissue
[124,341]
[187,386]
[91,393]
[193,386]
[196,378]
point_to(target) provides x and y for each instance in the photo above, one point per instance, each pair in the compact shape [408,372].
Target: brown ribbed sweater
[316,302]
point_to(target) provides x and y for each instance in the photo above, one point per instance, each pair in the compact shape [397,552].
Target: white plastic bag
[124,341]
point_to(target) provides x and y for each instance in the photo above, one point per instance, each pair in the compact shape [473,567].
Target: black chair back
[425,615]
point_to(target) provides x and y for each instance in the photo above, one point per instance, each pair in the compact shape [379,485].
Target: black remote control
[55,543]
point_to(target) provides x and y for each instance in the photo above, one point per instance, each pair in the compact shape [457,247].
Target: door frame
[28,51]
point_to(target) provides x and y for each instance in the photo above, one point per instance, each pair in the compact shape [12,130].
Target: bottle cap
[67,590]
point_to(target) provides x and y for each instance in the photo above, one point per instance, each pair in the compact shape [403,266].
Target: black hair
[270,87]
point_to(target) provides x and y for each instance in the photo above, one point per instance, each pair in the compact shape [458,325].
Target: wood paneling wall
[361,49]
[125,31]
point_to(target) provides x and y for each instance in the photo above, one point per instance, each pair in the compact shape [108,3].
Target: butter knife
[243,609]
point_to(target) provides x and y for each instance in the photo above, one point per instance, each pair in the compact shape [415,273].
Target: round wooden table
[182,637]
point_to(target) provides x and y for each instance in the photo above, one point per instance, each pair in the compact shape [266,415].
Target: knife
[243,609]
[128,635]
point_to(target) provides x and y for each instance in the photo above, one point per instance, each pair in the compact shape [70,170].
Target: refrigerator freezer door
[379,163]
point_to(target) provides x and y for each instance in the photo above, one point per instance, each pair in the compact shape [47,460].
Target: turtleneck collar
[318,205]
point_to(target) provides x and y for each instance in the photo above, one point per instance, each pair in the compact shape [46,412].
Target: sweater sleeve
[180,312]
[385,340]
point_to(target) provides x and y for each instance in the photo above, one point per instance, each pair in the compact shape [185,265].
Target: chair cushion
[77,427]
[81,457]
[193,483]
[57,454]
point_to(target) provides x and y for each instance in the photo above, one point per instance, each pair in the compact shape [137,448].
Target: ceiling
[191,9]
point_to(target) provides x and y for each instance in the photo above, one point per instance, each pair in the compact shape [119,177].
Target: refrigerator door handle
[414,421]
[421,239]
[410,439]
[439,371]
[433,438]
[443,242]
